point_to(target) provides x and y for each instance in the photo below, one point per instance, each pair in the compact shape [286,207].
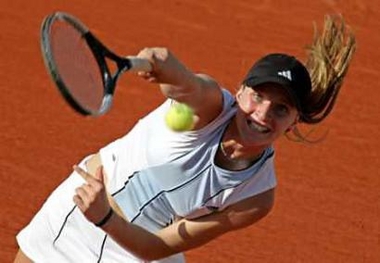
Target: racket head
[73,65]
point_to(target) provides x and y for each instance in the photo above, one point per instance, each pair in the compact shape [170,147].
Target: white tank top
[157,176]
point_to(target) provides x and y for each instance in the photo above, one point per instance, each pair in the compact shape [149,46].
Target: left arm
[178,237]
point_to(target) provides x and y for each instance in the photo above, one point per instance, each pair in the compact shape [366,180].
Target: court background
[327,207]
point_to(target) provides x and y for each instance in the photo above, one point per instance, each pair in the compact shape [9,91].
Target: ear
[289,129]
[239,93]
[293,125]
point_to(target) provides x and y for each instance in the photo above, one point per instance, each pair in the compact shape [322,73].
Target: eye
[281,110]
[257,97]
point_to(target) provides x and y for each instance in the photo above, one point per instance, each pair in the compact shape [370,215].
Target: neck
[232,152]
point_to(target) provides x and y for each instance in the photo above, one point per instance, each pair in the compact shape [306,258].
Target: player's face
[265,113]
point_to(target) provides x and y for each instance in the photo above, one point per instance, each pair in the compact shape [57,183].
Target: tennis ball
[180,117]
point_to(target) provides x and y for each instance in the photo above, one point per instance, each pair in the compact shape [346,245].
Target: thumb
[99,174]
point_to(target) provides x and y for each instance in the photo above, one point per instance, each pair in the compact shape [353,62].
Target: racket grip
[140,64]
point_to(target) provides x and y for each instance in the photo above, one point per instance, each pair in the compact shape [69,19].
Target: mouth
[257,127]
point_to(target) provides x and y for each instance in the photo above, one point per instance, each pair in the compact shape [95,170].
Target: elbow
[266,203]
[260,213]
[265,208]
[252,212]
[265,211]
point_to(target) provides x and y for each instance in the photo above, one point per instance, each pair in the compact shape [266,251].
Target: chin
[264,139]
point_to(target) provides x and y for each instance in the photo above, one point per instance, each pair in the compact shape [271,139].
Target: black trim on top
[102,248]
[63,225]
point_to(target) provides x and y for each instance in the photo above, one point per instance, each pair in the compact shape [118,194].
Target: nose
[263,111]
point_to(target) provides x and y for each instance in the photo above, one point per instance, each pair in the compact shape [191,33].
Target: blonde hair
[329,57]
[328,61]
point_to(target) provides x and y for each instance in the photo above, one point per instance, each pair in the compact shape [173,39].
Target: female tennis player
[155,193]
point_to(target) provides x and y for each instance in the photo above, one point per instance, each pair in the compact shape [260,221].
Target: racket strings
[76,65]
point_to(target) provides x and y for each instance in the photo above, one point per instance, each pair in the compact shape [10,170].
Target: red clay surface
[328,199]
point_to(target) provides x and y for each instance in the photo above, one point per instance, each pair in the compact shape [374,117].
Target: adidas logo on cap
[287,74]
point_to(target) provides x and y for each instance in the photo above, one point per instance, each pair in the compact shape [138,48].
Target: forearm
[190,89]
[136,240]
[201,93]
[178,82]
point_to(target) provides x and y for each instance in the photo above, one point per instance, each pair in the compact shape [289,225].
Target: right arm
[199,91]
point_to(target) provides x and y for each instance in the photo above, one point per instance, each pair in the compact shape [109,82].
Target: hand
[91,197]
[167,69]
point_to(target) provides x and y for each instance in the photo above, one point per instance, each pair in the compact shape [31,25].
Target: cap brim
[282,81]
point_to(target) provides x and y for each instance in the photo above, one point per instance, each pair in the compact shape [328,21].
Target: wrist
[105,219]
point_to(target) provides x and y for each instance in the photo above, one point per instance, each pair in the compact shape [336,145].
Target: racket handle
[140,64]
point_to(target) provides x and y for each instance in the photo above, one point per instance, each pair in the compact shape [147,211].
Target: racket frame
[100,52]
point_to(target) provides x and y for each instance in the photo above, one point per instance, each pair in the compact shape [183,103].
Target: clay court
[328,198]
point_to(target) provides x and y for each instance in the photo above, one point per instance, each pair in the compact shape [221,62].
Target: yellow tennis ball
[180,117]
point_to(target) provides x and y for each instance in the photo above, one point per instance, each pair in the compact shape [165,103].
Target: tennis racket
[79,64]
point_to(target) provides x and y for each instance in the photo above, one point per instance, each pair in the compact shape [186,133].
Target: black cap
[284,70]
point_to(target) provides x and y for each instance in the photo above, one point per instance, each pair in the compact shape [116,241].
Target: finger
[85,175]
[83,192]
[104,175]
[144,74]
[149,76]
[146,53]
[152,80]
[79,203]
[87,188]
[99,173]
[99,185]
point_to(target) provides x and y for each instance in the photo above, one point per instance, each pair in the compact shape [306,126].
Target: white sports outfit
[155,176]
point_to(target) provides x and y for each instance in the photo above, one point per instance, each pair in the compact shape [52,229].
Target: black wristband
[105,219]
